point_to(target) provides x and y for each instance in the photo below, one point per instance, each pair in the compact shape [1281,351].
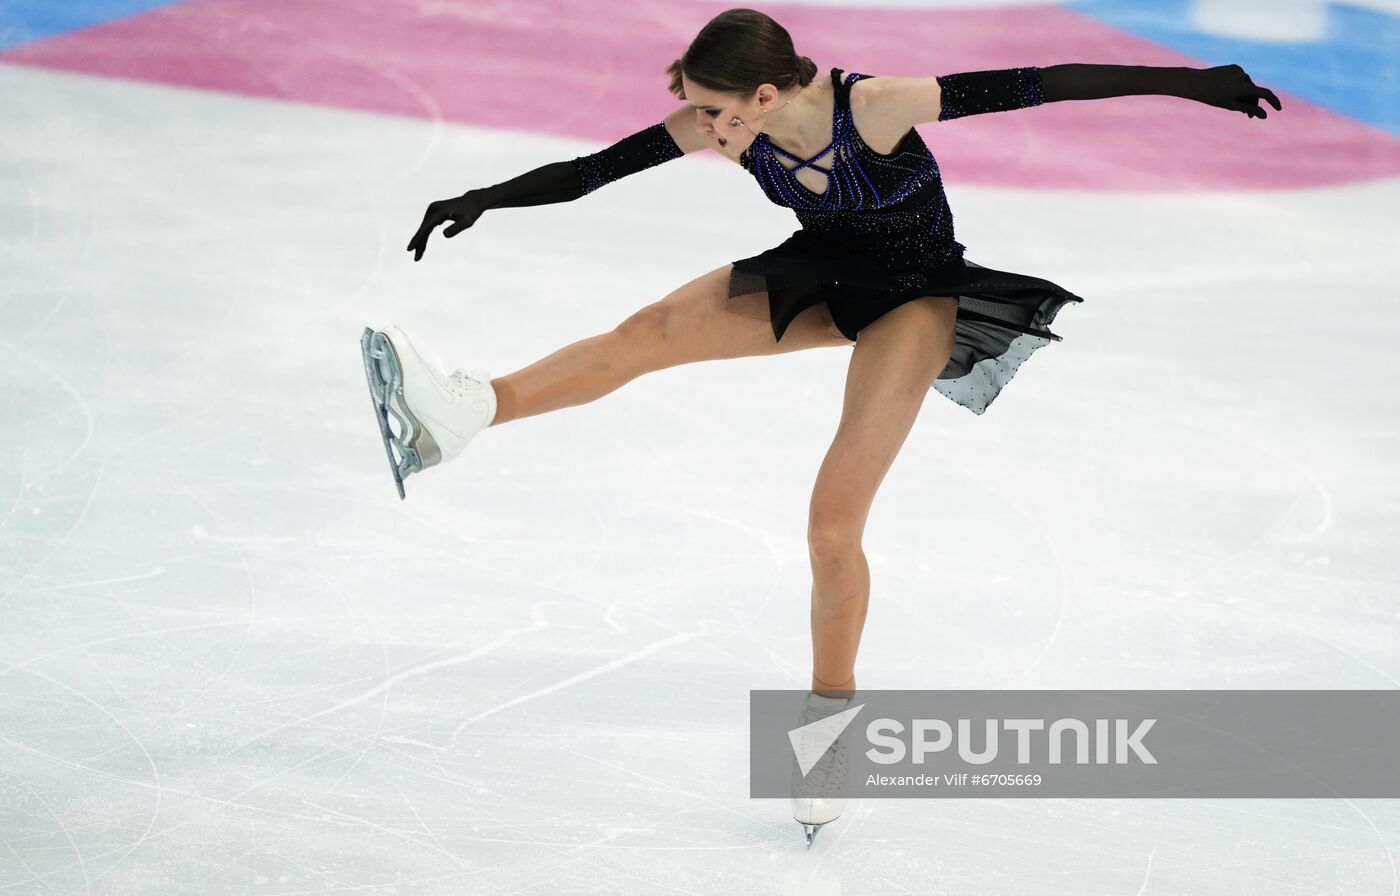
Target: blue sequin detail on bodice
[891,206]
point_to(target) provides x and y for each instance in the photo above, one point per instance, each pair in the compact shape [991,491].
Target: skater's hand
[462,211]
[1228,87]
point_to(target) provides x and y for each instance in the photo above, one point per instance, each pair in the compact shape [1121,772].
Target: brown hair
[738,50]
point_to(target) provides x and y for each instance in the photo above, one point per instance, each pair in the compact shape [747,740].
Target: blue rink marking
[25,21]
[1353,69]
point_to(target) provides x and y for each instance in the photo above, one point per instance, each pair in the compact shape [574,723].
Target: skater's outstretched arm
[562,181]
[1224,86]
[911,101]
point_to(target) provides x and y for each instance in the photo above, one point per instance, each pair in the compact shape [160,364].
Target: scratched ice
[232,661]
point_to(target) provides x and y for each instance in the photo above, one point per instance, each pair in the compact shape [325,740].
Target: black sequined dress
[881,235]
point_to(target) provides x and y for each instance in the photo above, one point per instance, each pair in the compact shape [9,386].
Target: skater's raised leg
[437,414]
[697,322]
[892,368]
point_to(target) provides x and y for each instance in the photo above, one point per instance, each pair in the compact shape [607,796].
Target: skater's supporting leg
[697,322]
[892,369]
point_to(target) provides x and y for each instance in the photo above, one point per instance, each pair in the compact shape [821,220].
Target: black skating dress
[881,235]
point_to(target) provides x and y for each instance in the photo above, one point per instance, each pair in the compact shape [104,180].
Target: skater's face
[715,113]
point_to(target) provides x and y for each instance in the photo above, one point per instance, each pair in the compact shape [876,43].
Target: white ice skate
[813,801]
[437,415]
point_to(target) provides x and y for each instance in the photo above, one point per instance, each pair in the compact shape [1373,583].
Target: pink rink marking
[583,68]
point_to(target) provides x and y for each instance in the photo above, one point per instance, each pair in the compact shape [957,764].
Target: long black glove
[556,182]
[1225,86]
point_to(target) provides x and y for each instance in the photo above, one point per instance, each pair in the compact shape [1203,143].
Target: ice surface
[232,661]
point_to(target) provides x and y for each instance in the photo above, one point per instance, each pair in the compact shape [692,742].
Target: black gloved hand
[545,185]
[1229,87]
[1225,86]
[462,211]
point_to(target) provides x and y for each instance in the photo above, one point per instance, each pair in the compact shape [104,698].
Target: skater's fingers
[438,213]
[1249,107]
[420,239]
[1268,94]
[431,219]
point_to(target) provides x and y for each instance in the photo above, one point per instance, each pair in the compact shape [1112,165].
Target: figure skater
[875,266]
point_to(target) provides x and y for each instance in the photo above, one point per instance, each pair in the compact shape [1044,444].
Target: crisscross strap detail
[841,123]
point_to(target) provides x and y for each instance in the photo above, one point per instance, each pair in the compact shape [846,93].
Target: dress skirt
[1002,316]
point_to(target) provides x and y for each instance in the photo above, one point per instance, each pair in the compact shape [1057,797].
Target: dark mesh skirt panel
[1003,317]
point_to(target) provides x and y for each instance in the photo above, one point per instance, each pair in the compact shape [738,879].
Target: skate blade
[811,831]
[414,440]
[383,376]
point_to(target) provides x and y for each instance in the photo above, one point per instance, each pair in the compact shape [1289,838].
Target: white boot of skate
[437,414]
[813,804]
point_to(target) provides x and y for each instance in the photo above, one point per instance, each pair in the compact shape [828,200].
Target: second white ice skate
[813,800]
[437,415]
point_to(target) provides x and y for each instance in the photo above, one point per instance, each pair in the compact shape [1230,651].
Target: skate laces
[830,771]
[463,381]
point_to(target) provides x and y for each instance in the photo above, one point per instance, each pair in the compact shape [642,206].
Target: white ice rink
[232,661]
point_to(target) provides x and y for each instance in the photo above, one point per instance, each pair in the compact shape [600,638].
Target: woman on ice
[875,265]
